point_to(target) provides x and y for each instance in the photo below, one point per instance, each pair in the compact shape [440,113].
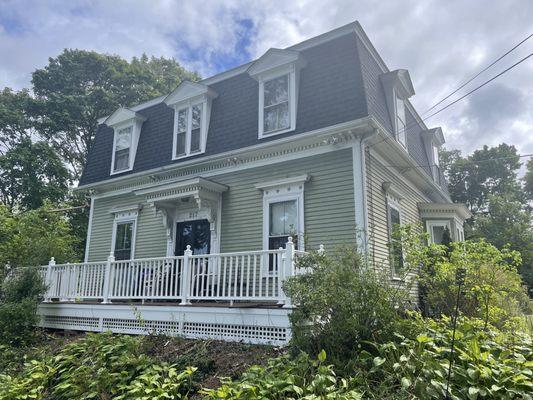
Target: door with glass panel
[282,224]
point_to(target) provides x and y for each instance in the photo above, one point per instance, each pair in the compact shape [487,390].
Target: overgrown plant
[341,303]
[492,291]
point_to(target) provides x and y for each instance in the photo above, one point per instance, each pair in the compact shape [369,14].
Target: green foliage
[528,179]
[77,87]
[285,378]
[19,296]
[487,363]
[31,238]
[341,303]
[100,366]
[492,289]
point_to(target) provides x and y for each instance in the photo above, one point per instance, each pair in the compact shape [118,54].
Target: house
[202,199]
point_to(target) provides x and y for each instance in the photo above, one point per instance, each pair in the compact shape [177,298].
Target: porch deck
[230,296]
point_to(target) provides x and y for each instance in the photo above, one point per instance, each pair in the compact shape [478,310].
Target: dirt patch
[214,359]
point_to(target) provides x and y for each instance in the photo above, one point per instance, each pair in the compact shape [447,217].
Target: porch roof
[195,187]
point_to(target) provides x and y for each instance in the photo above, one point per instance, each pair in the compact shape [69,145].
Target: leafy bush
[486,363]
[341,304]
[492,290]
[99,366]
[19,296]
[285,378]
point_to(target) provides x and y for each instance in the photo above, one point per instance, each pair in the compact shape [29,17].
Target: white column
[288,266]
[48,279]
[185,277]
[107,280]
[281,275]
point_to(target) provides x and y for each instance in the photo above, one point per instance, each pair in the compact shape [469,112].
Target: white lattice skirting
[248,325]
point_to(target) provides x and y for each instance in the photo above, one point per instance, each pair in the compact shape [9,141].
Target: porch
[230,296]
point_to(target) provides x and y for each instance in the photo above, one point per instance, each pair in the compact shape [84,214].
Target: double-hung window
[124,240]
[395,243]
[122,148]
[400,121]
[188,130]
[283,222]
[276,109]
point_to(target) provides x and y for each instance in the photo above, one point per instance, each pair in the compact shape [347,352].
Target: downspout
[360,192]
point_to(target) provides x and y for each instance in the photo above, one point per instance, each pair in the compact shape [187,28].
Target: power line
[457,100]
[468,162]
[479,73]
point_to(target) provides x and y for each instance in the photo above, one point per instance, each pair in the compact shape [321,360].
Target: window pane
[394,218]
[122,158]
[283,218]
[438,234]
[182,120]
[123,241]
[123,138]
[400,109]
[436,155]
[276,90]
[396,245]
[196,125]
[401,131]
[276,117]
[180,144]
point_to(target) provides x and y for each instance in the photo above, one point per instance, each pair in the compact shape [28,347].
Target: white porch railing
[250,275]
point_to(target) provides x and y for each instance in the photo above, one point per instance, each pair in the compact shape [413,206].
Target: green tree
[30,174]
[31,238]
[78,87]
[508,223]
[528,179]
[16,120]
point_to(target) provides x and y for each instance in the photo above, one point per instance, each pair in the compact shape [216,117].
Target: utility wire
[457,100]
[479,73]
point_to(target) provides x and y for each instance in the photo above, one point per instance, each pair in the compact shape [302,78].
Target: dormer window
[398,88]
[188,138]
[122,148]
[276,109]
[277,73]
[400,121]
[192,108]
[433,139]
[126,126]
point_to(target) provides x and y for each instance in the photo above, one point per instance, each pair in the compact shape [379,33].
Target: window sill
[120,172]
[188,155]
[397,279]
[274,133]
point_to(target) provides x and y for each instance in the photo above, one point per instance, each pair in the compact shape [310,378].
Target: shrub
[341,304]
[492,290]
[19,296]
[100,366]
[487,363]
[285,378]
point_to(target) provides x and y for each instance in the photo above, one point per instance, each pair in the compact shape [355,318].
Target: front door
[196,233]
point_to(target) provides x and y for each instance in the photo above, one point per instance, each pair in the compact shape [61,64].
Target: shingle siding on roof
[331,92]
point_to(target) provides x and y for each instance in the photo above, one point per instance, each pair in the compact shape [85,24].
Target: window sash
[123,240]
[278,106]
[122,148]
[189,125]
[396,249]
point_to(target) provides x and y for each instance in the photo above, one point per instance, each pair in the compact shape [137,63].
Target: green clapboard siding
[328,208]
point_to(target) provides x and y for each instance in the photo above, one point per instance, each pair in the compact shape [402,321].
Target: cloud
[442,43]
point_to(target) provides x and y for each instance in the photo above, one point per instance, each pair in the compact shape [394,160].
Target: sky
[441,42]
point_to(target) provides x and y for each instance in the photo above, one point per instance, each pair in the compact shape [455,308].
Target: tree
[487,171]
[528,179]
[16,122]
[78,87]
[508,223]
[31,174]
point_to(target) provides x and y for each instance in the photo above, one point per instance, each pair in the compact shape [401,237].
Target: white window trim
[393,203]
[291,71]
[116,129]
[283,190]
[121,218]
[430,224]
[396,126]
[188,105]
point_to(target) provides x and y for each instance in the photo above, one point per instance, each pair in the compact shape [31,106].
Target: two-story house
[202,199]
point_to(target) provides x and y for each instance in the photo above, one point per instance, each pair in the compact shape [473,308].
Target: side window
[276,105]
[400,121]
[395,244]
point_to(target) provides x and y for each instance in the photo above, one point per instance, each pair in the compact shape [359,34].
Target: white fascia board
[188,90]
[282,182]
[195,182]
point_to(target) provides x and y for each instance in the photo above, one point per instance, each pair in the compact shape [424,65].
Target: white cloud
[442,43]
